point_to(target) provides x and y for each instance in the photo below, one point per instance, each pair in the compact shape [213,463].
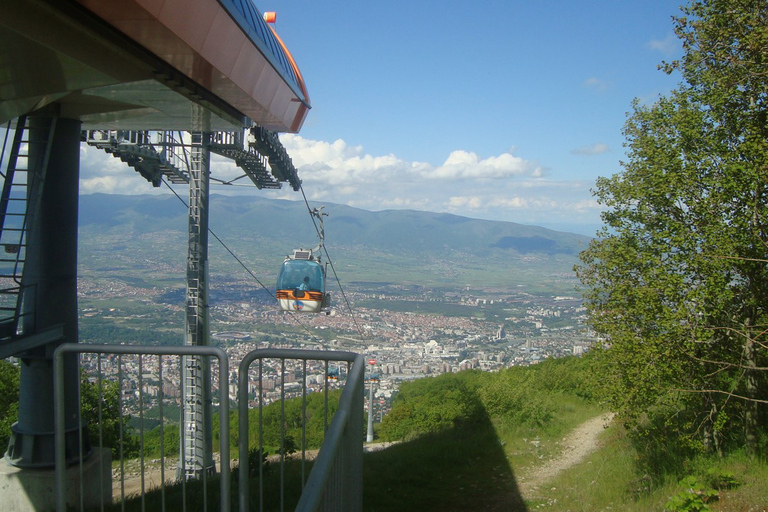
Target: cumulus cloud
[337,162]
[468,165]
[499,187]
[103,173]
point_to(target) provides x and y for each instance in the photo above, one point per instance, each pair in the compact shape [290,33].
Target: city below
[410,332]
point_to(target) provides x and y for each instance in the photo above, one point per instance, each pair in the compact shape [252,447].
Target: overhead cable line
[245,267]
[333,268]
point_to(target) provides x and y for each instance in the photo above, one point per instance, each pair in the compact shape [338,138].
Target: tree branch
[720,391]
[726,364]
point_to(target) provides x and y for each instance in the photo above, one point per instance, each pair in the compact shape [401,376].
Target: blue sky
[503,110]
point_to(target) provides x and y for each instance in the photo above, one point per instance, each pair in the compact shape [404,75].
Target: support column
[369,433]
[50,292]
[197,421]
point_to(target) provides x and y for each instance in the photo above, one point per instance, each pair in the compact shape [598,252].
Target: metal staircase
[197,424]
[230,145]
[154,160]
[194,421]
[30,147]
[155,155]
[267,143]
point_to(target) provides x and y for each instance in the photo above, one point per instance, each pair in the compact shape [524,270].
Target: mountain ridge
[396,242]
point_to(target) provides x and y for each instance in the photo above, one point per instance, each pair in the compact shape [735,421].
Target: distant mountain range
[396,246]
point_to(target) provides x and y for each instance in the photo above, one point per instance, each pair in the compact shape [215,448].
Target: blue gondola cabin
[301,284]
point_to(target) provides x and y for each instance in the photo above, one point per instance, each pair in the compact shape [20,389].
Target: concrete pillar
[34,490]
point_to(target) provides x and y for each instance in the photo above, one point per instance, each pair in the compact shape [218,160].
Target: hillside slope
[401,246]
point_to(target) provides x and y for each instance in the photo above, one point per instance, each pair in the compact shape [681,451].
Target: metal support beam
[50,291]
[197,446]
[369,432]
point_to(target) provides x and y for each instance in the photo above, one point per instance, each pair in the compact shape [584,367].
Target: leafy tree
[102,420]
[430,406]
[676,282]
[100,408]
[290,426]
[9,400]
[170,438]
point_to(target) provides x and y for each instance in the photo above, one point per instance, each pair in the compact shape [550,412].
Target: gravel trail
[576,446]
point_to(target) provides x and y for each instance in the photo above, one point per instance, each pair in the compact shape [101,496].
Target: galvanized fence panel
[335,482]
[140,369]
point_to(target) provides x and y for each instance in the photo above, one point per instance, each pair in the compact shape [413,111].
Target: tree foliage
[284,419]
[676,283]
[100,409]
[290,414]
[431,405]
[9,400]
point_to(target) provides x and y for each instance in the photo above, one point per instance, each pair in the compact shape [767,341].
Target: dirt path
[132,484]
[576,446]
[152,480]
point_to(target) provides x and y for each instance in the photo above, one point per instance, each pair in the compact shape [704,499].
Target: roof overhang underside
[139,65]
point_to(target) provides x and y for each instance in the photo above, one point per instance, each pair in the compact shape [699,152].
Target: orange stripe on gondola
[288,294]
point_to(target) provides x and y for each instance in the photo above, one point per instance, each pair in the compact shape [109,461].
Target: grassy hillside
[472,440]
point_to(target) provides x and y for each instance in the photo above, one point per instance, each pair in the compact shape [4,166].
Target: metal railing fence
[138,376]
[335,482]
[178,353]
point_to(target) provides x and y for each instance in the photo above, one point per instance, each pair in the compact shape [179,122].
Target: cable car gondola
[301,282]
[333,372]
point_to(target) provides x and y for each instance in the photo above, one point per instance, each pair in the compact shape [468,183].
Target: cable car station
[161,85]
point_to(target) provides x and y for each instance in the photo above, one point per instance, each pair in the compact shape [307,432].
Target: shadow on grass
[463,468]
[460,469]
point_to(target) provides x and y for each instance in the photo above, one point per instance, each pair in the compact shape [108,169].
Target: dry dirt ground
[133,484]
[575,447]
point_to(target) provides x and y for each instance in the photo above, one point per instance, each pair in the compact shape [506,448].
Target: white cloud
[103,173]
[595,149]
[467,165]
[669,46]
[338,163]
[499,187]
[597,84]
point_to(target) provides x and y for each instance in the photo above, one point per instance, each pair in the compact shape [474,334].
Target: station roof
[195,65]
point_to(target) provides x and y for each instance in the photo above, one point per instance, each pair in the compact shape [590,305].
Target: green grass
[474,469]
[526,447]
[455,470]
[609,479]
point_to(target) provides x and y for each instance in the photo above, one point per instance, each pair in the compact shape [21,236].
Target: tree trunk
[750,390]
